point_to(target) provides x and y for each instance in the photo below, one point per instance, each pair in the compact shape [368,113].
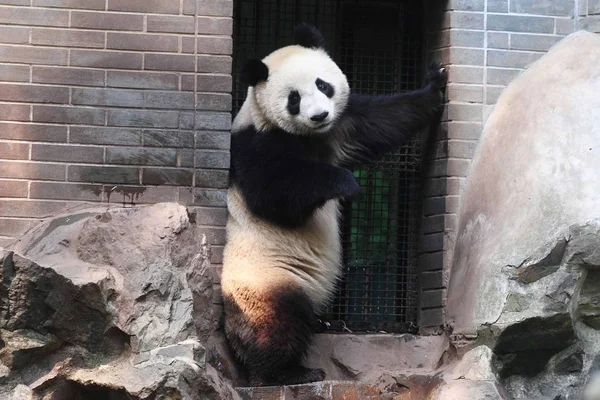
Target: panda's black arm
[373,125]
[281,188]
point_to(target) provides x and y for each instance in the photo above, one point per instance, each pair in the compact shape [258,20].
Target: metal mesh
[378,45]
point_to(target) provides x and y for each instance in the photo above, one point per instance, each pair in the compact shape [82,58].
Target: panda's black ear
[254,72]
[308,36]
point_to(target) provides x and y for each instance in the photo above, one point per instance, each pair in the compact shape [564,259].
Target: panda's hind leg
[270,335]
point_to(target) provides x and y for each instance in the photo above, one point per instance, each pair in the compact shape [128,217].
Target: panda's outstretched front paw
[437,75]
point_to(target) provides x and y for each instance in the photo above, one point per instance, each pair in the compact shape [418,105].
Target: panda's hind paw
[437,75]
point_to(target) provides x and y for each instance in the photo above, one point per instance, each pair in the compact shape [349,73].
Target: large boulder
[524,277]
[108,303]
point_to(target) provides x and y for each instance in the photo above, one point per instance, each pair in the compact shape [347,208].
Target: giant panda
[297,136]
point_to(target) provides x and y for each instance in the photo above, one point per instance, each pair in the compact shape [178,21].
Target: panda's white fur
[280,272]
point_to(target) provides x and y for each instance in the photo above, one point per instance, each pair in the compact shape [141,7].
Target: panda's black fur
[283,195]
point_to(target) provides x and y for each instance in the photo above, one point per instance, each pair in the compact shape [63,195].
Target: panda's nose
[319,117]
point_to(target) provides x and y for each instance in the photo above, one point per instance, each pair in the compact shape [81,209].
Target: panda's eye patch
[325,87]
[293,105]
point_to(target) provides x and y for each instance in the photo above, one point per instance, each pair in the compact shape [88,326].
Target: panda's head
[297,88]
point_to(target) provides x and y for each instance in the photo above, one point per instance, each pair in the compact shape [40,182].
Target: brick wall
[114,101]
[486,44]
[588,12]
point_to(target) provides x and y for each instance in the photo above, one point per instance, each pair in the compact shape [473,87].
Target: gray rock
[588,308]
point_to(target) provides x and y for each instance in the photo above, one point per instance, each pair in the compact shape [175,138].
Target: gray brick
[511,59]
[215,236]
[129,195]
[185,158]
[141,156]
[13,34]
[466,5]
[591,24]
[466,56]
[218,8]
[431,261]
[582,8]
[65,191]
[33,16]
[215,26]
[432,298]
[14,112]
[212,159]
[213,140]
[465,93]
[213,121]
[458,168]
[81,4]
[499,6]
[464,130]
[103,174]
[461,149]
[210,216]
[107,97]
[67,153]
[171,62]
[31,208]
[137,41]
[464,112]
[186,196]
[162,176]
[207,83]
[466,20]
[463,38]
[435,205]
[107,21]
[143,118]
[189,7]
[433,224]
[493,93]
[169,100]
[33,93]
[533,42]
[11,188]
[213,102]
[565,26]
[501,76]
[452,204]
[177,139]
[518,23]
[593,6]
[170,24]
[434,279]
[497,40]
[14,151]
[33,55]
[105,136]
[547,7]
[142,80]
[214,44]
[68,76]
[68,115]
[432,242]
[210,198]
[186,120]
[432,317]
[145,6]
[214,64]
[465,74]
[15,226]
[16,2]
[14,73]
[188,44]
[106,59]
[218,179]
[31,170]
[67,38]
[44,133]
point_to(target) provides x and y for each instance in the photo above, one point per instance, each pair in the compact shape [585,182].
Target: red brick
[10,188]
[31,208]
[136,41]
[15,226]
[106,59]
[44,133]
[170,24]
[214,45]
[68,115]
[74,4]
[214,64]
[14,151]
[102,174]
[31,170]
[168,62]
[67,153]
[13,34]
[14,73]
[65,191]
[68,76]
[33,55]
[33,16]
[145,6]
[34,93]
[107,21]
[215,26]
[67,38]
[142,80]
[14,112]
[218,8]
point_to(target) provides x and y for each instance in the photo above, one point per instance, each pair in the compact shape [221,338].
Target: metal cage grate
[378,46]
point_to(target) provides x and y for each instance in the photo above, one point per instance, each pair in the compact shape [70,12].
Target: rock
[569,361]
[475,365]
[592,389]
[532,272]
[109,304]
[588,309]
[464,389]
[583,246]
